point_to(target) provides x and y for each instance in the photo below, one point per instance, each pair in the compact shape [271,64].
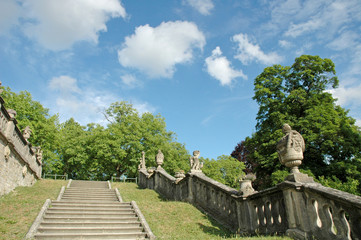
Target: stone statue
[39,154]
[290,152]
[159,159]
[26,133]
[196,165]
[142,161]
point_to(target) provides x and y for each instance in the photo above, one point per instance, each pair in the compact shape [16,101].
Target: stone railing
[300,210]
[19,164]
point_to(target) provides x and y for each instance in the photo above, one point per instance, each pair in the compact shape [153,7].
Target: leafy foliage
[94,151]
[297,95]
[44,126]
[225,170]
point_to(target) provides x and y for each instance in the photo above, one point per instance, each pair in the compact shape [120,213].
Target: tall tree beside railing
[297,95]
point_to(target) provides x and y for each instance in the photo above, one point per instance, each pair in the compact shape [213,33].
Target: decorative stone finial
[246,188]
[196,165]
[290,152]
[142,162]
[159,159]
[26,133]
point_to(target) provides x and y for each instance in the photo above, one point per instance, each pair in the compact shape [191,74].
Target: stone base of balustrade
[300,178]
[297,234]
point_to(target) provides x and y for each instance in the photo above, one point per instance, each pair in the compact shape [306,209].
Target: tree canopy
[94,151]
[297,95]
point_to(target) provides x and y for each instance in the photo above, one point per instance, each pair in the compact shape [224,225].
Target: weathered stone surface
[300,210]
[196,165]
[18,162]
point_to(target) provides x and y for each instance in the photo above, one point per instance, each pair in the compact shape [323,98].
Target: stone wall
[300,210]
[18,163]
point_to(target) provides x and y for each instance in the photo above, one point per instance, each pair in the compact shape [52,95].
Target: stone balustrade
[300,210]
[19,165]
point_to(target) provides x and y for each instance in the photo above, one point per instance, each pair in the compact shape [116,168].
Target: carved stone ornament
[290,148]
[27,132]
[196,165]
[290,152]
[39,154]
[159,159]
[25,171]
[7,152]
[12,113]
[142,161]
[246,188]
[179,176]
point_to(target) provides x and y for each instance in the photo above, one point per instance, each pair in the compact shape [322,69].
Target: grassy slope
[168,220]
[175,220]
[19,208]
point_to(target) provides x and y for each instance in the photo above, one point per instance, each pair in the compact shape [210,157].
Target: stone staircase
[91,210]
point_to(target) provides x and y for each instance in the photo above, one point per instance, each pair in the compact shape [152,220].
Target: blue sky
[192,61]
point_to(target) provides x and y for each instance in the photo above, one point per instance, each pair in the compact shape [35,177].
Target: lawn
[171,220]
[19,208]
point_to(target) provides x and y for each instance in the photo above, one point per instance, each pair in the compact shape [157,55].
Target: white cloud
[130,81]
[284,43]
[247,51]
[325,18]
[220,68]
[64,84]
[156,51]
[57,25]
[85,105]
[202,6]
[348,95]
[9,13]
[296,30]
[345,40]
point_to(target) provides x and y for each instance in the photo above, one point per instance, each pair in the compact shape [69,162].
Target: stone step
[90,211]
[130,224]
[87,214]
[87,219]
[90,195]
[66,236]
[91,224]
[89,190]
[85,209]
[90,204]
[92,199]
[97,229]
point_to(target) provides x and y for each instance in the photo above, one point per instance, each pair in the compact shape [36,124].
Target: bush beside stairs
[89,210]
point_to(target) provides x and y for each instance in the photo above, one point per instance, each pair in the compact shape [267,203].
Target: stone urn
[246,185]
[159,159]
[290,148]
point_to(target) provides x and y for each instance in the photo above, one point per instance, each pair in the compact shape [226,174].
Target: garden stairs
[91,210]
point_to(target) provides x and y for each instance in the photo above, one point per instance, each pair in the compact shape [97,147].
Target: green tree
[225,169]
[131,133]
[297,95]
[43,125]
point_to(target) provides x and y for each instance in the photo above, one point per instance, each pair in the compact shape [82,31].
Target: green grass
[19,208]
[171,220]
